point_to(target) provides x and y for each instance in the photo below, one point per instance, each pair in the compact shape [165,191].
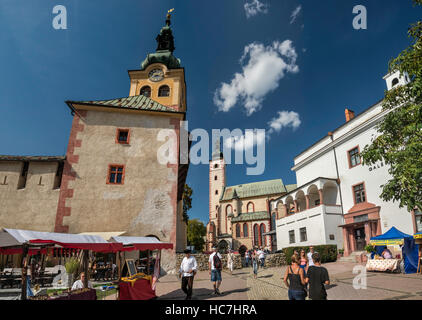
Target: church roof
[250,216]
[254,189]
[135,102]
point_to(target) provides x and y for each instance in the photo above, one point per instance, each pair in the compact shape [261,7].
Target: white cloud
[284,119]
[265,67]
[295,13]
[246,141]
[254,7]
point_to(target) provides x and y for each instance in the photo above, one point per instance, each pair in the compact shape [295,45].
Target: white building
[338,199]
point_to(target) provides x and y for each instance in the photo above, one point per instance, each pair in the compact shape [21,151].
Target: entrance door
[360,239]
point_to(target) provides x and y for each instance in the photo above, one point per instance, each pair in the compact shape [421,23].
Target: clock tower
[161,76]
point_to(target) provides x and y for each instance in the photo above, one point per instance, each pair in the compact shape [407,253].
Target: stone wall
[271,260]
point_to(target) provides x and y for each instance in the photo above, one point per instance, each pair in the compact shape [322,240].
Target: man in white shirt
[215,265]
[79,284]
[261,257]
[187,271]
[310,253]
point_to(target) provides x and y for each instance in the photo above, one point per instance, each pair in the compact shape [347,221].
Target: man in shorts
[215,265]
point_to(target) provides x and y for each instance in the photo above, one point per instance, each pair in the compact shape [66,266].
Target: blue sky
[333,67]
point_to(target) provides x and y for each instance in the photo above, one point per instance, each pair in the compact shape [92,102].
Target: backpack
[217,262]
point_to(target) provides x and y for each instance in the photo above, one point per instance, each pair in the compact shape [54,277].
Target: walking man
[215,265]
[310,253]
[261,256]
[317,277]
[187,271]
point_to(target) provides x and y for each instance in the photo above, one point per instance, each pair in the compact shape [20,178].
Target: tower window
[145,91]
[115,174]
[164,91]
[216,191]
[23,176]
[58,177]
[215,178]
[215,166]
[122,136]
[394,82]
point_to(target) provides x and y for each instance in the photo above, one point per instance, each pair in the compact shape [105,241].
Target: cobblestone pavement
[269,285]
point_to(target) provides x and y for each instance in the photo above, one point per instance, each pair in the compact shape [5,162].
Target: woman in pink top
[303,261]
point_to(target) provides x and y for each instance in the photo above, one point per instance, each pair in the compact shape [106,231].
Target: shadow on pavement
[198,294]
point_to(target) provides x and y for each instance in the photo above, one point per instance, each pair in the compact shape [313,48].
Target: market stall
[27,243]
[418,240]
[137,284]
[394,237]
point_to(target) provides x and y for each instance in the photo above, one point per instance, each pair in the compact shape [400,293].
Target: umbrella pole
[24,264]
[85,265]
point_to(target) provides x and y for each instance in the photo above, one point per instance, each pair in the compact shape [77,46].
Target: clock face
[156,75]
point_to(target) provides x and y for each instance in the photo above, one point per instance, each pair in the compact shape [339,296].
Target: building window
[122,136]
[332,237]
[359,193]
[216,191]
[354,157]
[418,220]
[116,174]
[23,176]
[164,91]
[250,207]
[262,231]
[215,178]
[256,235]
[317,202]
[363,217]
[291,236]
[394,82]
[237,231]
[303,235]
[59,173]
[273,221]
[145,91]
[215,166]
[245,230]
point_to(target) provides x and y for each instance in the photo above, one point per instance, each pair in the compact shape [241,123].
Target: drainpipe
[338,177]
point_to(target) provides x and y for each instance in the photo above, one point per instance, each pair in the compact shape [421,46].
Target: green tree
[196,233]
[187,202]
[399,143]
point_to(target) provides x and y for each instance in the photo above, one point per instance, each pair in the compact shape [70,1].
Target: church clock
[156,75]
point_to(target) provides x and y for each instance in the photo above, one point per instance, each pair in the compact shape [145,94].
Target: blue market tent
[406,241]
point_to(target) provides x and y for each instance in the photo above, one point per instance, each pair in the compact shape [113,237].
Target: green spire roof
[165,48]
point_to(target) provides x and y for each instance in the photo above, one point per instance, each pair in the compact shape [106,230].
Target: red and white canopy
[10,238]
[141,243]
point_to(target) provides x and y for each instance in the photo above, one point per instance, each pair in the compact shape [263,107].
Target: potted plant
[369,249]
[72,267]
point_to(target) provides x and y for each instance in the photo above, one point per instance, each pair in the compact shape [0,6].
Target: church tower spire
[165,47]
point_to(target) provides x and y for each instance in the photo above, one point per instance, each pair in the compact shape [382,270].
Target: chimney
[349,114]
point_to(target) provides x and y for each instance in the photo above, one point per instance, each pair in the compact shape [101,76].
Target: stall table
[140,290]
[383,264]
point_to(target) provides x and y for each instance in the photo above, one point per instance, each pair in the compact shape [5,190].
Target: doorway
[360,239]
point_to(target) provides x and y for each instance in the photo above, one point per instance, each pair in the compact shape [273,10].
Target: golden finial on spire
[169,16]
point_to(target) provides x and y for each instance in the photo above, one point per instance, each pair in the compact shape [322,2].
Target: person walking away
[261,256]
[303,262]
[255,264]
[317,278]
[187,272]
[215,265]
[230,258]
[296,284]
[310,253]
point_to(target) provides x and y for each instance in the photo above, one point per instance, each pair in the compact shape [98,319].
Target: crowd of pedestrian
[304,277]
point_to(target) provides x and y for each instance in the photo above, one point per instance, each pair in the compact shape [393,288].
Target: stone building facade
[111,178]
